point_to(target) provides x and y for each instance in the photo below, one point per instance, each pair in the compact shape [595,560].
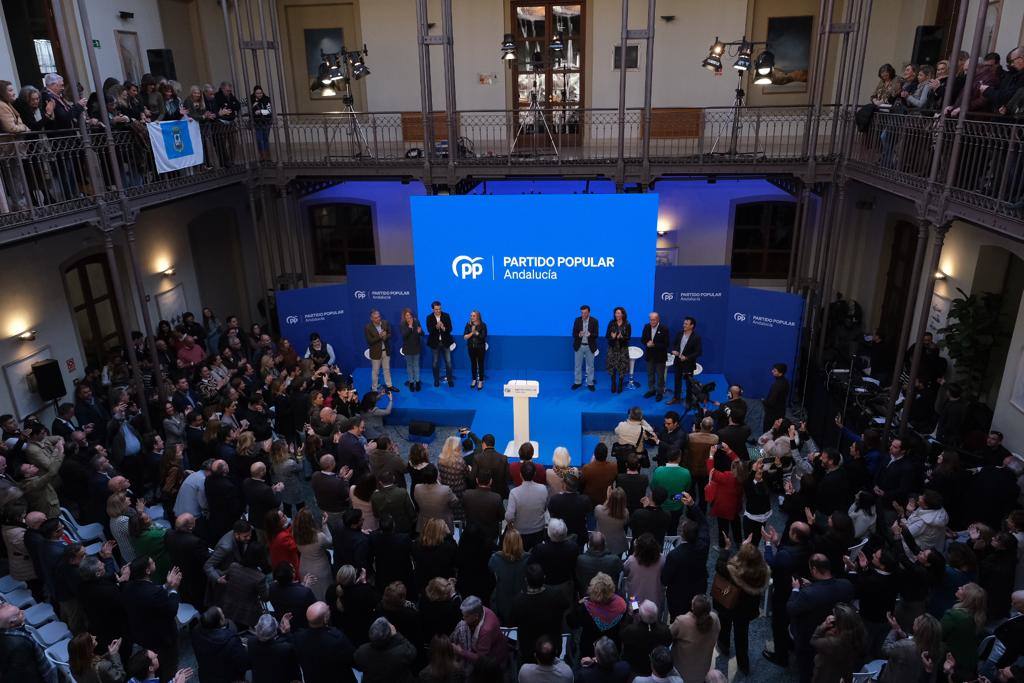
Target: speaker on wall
[927,45]
[49,379]
[161,63]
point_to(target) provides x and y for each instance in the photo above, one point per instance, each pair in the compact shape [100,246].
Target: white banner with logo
[176,144]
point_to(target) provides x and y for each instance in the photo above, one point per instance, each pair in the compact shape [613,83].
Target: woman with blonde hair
[313,544]
[475,334]
[117,510]
[434,553]
[352,601]
[561,467]
[439,609]
[600,613]
[287,471]
[748,572]
[962,626]
[612,516]
[694,635]
[509,568]
[452,470]
[903,655]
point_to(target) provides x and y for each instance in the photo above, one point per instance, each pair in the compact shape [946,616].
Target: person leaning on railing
[12,127]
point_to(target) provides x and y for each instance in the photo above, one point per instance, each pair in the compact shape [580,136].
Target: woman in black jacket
[262,117]
[475,335]
[618,334]
[412,346]
[757,501]
[439,610]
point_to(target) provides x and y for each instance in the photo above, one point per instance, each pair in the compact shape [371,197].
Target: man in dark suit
[439,339]
[686,349]
[395,501]
[572,507]
[183,397]
[325,654]
[734,404]
[833,492]
[808,606]
[351,545]
[288,596]
[90,411]
[786,560]
[685,572]
[260,497]
[330,489]
[483,507]
[777,398]
[378,341]
[21,658]
[486,458]
[224,498]
[596,559]
[152,612]
[584,346]
[100,598]
[350,451]
[651,518]
[65,423]
[655,340]
[189,553]
[231,548]
[671,435]
[735,434]
[895,481]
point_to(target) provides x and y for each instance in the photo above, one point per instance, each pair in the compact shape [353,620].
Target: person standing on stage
[439,339]
[411,345]
[378,339]
[655,341]
[686,349]
[475,335]
[584,345]
[777,398]
[618,334]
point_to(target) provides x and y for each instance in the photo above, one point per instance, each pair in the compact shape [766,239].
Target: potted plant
[974,325]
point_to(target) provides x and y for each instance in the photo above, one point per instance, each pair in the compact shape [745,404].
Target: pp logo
[359,294]
[292,320]
[739,317]
[667,296]
[464,267]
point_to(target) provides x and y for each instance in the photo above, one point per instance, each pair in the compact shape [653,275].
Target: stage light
[359,68]
[742,62]
[763,79]
[167,272]
[508,47]
[713,62]
[765,63]
[557,43]
[328,91]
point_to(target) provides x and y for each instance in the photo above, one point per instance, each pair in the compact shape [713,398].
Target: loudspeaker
[49,380]
[927,45]
[421,428]
[161,63]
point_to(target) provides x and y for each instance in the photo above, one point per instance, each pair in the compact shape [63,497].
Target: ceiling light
[508,47]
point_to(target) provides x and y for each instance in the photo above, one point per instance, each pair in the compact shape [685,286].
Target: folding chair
[39,615]
[186,614]
[21,598]
[85,533]
[8,584]
[51,633]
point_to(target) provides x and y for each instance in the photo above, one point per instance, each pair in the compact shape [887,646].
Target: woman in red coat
[282,543]
[726,492]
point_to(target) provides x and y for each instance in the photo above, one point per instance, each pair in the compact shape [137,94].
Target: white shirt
[682,342]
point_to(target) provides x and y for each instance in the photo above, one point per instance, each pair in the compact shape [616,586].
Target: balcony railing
[989,173]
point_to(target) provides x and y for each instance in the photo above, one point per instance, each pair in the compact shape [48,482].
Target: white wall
[103,21]
[6,59]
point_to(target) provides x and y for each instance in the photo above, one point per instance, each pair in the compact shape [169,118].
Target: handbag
[724,592]
[621,451]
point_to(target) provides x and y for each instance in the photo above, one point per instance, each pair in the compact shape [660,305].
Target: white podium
[520,391]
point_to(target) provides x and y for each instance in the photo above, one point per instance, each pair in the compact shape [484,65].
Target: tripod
[536,112]
[363,147]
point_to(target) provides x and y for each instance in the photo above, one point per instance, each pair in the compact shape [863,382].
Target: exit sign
[95,43]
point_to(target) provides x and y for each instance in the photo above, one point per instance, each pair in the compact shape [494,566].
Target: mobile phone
[633,604]
[678,497]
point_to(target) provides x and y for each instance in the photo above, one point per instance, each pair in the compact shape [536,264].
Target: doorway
[1001,272]
[35,47]
[898,280]
[90,291]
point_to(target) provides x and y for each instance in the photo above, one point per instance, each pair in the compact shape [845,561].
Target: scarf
[606,616]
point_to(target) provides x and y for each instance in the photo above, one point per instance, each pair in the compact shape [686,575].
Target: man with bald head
[809,604]
[21,659]
[189,553]
[655,341]
[325,654]
[787,558]
[224,498]
[260,497]
[330,488]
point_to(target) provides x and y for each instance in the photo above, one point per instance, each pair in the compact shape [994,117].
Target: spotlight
[742,62]
[508,47]
[328,91]
[765,63]
[939,275]
[763,79]
[359,68]
[557,43]
[713,62]
[335,73]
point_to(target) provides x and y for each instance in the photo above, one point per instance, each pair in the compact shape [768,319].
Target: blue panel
[388,289]
[317,309]
[763,329]
[701,292]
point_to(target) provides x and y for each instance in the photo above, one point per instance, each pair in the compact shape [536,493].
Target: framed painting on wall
[130,54]
[319,42]
[789,39]
[21,383]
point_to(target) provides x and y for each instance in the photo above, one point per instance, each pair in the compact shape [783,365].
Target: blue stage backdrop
[763,329]
[529,261]
[318,309]
[701,292]
[389,289]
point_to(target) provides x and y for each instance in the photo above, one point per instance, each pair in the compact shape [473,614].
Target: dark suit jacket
[685,572]
[572,508]
[325,655]
[350,546]
[350,452]
[775,401]
[20,656]
[189,553]
[379,344]
[659,352]
[65,114]
[260,499]
[274,661]
[225,503]
[692,351]
[809,606]
[897,480]
[395,501]
[439,338]
[61,428]
[96,415]
[736,437]
[151,614]
[591,338]
[243,594]
[495,463]
[104,610]
[330,491]
[484,511]
[294,598]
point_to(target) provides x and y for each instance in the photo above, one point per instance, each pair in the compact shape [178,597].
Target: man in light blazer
[378,341]
[584,346]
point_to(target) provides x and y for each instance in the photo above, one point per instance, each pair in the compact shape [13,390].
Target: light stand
[364,149]
[534,112]
[344,66]
[744,48]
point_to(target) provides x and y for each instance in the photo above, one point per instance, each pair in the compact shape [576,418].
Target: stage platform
[558,416]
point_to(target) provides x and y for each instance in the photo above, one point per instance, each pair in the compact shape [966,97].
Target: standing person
[748,573]
[262,117]
[584,345]
[655,340]
[312,544]
[227,107]
[527,505]
[152,611]
[475,335]
[839,645]
[694,635]
[439,339]
[378,338]
[777,398]
[617,334]
[686,349]
[810,603]
[724,492]
[411,332]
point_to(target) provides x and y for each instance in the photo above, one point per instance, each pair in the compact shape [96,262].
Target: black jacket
[557,559]
[992,494]
[685,572]
[151,614]
[391,556]
[390,661]
[538,614]
[351,546]
[735,436]
[833,492]
[224,502]
[220,655]
[692,351]
[809,606]
[897,479]
[638,639]
[572,508]
[439,338]
[19,658]
[666,440]
[478,341]
[621,342]
[652,520]
[260,498]
[294,598]
[876,592]
[325,655]
[591,333]
[775,401]
[411,339]
[274,661]
[659,352]
[189,553]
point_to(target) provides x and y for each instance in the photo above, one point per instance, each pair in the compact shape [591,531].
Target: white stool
[697,369]
[635,354]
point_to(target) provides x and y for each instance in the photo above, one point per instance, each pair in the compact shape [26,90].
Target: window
[44,56]
[552,79]
[762,239]
[91,295]
[632,57]
[342,235]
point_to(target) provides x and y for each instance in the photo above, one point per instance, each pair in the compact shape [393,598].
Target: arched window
[91,295]
[762,239]
[341,235]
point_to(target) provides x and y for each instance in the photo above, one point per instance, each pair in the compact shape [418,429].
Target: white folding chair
[670,543]
[186,613]
[39,615]
[21,598]
[9,584]
[83,532]
[58,653]
[51,633]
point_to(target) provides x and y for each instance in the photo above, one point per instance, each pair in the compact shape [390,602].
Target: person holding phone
[475,334]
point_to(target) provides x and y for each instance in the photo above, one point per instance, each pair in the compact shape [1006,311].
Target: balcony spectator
[938,82]
[888,88]
[171,108]
[30,107]
[1005,98]
[908,82]
[923,97]
[262,118]
[12,127]
[61,122]
[150,96]
[226,107]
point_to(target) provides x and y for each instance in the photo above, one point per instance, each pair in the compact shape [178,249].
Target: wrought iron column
[147,321]
[449,88]
[828,278]
[620,164]
[231,45]
[426,92]
[801,219]
[648,85]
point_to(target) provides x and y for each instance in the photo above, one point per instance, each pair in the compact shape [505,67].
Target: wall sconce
[939,275]
[168,272]
[668,18]
[27,335]
[662,233]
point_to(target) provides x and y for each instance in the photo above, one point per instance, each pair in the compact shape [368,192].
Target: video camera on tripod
[697,394]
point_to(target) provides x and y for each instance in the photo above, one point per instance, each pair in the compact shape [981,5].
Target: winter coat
[928,527]
[728,493]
